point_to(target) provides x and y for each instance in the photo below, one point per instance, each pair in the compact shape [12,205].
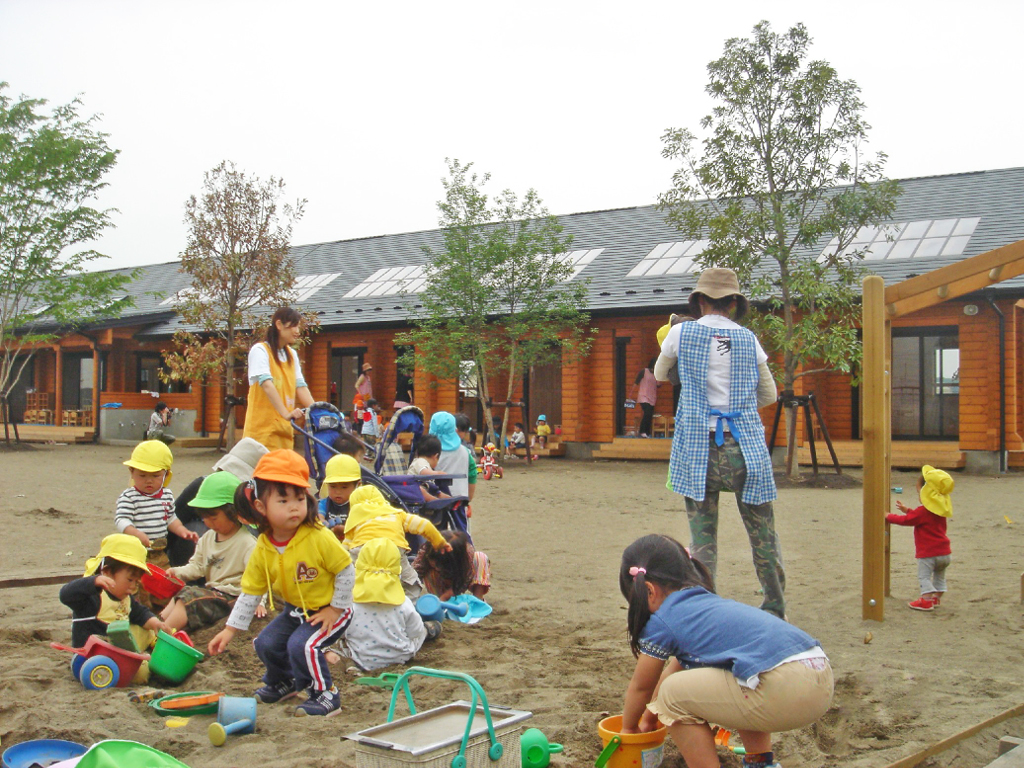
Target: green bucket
[172,659]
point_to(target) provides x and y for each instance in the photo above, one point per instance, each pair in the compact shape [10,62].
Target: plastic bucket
[636,749]
[172,659]
[160,584]
[41,752]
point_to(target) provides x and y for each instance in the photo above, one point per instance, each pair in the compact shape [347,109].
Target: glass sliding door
[925,383]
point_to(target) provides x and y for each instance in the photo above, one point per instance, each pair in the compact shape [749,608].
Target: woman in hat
[719,442]
[364,385]
[277,389]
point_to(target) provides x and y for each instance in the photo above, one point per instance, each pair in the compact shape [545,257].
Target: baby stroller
[404,491]
[390,457]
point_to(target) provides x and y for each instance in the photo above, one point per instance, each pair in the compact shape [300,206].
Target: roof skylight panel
[910,239]
[388,281]
[669,259]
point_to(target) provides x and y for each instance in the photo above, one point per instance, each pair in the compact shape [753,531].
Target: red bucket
[160,584]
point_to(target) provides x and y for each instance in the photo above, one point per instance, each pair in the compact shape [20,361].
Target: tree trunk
[485,399]
[792,415]
[229,391]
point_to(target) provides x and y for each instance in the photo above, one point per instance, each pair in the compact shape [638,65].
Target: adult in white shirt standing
[719,442]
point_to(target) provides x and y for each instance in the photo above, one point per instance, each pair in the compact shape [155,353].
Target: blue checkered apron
[689,460]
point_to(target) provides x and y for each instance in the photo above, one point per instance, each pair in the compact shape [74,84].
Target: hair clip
[634,571]
[250,489]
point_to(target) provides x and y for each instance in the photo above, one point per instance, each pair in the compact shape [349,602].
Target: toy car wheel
[99,672]
[487,473]
[76,665]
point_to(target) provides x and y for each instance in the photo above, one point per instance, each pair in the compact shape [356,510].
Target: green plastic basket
[172,659]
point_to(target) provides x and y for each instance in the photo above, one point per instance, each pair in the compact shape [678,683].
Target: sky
[356,106]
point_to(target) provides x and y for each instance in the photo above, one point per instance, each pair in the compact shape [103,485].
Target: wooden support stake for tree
[919,757]
[876,454]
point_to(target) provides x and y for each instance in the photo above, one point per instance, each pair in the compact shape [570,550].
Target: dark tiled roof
[626,235]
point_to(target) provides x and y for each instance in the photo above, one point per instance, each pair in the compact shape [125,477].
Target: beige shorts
[790,696]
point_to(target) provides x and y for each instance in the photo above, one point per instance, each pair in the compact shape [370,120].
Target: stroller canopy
[390,459]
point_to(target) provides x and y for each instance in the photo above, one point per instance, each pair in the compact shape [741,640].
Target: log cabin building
[952,405]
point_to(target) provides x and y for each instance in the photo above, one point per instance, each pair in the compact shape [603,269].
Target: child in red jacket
[930,541]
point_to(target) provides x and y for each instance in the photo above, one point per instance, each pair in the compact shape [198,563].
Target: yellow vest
[262,422]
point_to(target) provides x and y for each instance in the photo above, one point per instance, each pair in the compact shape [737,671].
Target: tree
[237,257]
[51,168]
[498,296]
[781,171]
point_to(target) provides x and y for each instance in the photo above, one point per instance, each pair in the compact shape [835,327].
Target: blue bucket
[41,752]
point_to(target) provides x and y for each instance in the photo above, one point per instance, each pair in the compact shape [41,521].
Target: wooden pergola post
[876,433]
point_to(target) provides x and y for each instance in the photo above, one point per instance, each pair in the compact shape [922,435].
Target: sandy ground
[556,643]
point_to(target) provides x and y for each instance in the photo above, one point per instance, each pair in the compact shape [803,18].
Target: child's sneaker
[323,704]
[271,693]
[923,604]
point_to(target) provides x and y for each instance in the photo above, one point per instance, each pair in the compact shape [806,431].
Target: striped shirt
[149,514]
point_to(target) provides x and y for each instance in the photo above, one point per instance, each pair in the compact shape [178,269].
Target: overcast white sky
[356,106]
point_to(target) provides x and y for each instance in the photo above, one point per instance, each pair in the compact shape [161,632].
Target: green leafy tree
[782,169]
[498,295]
[52,166]
[237,256]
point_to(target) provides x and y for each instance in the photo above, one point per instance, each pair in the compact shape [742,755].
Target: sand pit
[556,643]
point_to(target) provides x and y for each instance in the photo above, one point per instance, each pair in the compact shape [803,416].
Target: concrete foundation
[981,462]
[130,425]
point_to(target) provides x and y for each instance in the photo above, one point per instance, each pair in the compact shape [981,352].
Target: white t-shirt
[418,466]
[719,361]
[259,364]
[381,635]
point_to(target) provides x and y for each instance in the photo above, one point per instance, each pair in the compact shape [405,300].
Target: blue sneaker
[271,693]
[323,704]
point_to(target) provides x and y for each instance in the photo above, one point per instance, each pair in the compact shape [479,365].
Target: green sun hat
[217,490]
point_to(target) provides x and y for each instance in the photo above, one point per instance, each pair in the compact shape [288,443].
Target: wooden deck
[905,453]
[48,433]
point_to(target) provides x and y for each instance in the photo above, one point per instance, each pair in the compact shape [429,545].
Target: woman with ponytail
[727,663]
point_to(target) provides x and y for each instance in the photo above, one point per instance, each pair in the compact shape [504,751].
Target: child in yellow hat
[385,628]
[146,509]
[931,543]
[104,593]
[342,476]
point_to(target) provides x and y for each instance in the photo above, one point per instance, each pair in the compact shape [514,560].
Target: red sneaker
[923,604]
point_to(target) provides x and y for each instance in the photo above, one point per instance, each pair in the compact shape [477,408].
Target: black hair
[114,566]
[287,316]
[349,444]
[371,402]
[453,569]
[161,405]
[461,422]
[228,509]
[429,445]
[519,425]
[257,488]
[663,561]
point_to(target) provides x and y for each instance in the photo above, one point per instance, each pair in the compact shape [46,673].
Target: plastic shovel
[383,680]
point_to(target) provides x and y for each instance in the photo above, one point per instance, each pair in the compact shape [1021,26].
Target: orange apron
[262,422]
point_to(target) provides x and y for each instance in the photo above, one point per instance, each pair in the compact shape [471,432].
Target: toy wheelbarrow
[98,664]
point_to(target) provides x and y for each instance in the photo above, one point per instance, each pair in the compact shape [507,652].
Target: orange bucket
[635,750]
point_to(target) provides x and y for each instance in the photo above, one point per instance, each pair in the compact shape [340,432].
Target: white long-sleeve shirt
[381,635]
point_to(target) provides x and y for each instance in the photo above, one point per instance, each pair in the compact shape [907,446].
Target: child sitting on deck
[931,543]
[540,440]
[219,559]
[146,510]
[104,594]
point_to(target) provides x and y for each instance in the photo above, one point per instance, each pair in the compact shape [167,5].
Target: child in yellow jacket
[371,517]
[297,558]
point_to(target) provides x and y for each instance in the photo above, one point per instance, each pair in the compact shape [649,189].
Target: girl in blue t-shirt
[728,663]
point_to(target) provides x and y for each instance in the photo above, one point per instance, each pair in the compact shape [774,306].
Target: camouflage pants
[728,472]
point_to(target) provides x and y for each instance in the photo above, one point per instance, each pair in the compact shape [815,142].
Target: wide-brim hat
[152,456]
[378,572]
[442,425]
[718,283]
[217,490]
[367,367]
[120,547]
[241,460]
[935,493]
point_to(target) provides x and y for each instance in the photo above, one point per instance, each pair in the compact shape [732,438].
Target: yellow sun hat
[663,332]
[366,503]
[342,469]
[152,456]
[935,493]
[378,569]
[121,547]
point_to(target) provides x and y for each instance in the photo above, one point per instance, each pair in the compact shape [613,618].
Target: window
[911,239]
[669,259]
[389,281]
[147,377]
[468,384]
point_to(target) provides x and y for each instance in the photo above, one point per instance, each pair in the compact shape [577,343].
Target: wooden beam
[963,277]
[876,452]
[919,757]
[39,581]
